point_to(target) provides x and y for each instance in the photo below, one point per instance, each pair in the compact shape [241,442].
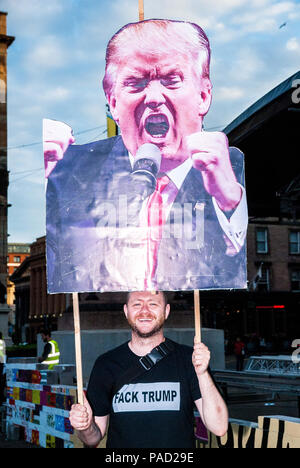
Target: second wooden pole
[197,315]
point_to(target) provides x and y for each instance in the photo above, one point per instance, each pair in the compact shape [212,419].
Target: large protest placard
[162,206]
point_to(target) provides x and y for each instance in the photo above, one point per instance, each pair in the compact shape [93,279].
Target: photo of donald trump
[163,205]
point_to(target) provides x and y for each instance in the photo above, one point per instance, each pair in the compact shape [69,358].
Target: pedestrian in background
[240,352]
[2,362]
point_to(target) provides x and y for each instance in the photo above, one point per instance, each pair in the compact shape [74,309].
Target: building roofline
[264,101]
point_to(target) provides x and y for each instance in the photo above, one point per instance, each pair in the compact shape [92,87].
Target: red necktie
[156,221]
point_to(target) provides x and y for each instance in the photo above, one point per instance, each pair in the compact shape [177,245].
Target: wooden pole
[141,10]
[197,315]
[76,315]
[78,354]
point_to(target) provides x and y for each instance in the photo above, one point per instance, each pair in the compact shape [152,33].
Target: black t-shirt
[155,410]
[47,351]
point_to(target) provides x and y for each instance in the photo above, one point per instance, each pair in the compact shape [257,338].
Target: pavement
[13,444]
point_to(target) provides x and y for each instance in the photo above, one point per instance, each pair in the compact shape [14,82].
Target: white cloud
[280,8]
[259,3]
[293,45]
[223,7]
[252,22]
[215,9]
[228,93]
[247,65]
[266,17]
[31,17]
[295,15]
[58,93]
[48,52]
[221,33]
[32,8]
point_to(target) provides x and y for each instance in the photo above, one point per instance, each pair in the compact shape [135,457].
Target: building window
[294,242]
[262,241]
[17,259]
[263,284]
[295,280]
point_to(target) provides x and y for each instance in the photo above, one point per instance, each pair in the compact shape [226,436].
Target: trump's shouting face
[159,92]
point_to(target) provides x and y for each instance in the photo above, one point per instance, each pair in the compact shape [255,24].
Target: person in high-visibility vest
[2,362]
[51,353]
[2,350]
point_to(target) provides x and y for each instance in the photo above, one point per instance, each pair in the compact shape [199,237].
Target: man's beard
[149,334]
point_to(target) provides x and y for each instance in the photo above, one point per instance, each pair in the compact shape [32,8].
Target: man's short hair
[165,296]
[183,36]
[46,332]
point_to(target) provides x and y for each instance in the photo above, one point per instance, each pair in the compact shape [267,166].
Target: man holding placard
[145,390]
[189,231]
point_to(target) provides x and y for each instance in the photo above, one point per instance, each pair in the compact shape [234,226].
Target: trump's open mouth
[157,125]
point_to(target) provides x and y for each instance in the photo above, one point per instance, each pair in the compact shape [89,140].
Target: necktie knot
[161,183]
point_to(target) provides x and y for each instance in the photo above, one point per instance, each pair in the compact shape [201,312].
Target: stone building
[35,309]
[16,254]
[5,42]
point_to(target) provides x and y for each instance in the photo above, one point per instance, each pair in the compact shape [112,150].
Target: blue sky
[56,64]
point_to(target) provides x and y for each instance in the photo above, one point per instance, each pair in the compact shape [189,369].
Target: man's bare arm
[95,433]
[211,406]
[90,429]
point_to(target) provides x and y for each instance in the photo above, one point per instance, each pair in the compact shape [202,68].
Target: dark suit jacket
[81,198]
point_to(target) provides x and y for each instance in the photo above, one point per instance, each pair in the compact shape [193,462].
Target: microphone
[141,182]
[145,169]
[136,187]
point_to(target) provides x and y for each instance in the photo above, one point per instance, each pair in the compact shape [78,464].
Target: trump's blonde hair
[156,36]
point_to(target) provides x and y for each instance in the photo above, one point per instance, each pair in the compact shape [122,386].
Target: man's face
[44,338]
[159,99]
[146,313]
